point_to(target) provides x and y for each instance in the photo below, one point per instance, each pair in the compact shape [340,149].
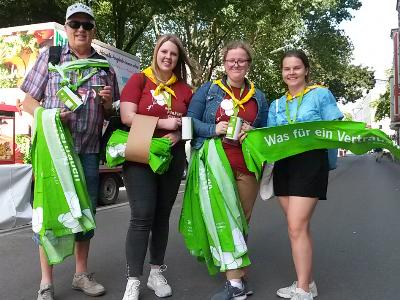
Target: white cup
[187,128]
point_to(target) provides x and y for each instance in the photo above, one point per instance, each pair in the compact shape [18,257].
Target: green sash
[61,205]
[159,157]
[78,65]
[274,143]
[212,220]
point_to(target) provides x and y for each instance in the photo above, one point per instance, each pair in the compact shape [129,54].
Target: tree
[331,51]
[347,116]
[206,25]
[20,12]
[382,105]
[269,25]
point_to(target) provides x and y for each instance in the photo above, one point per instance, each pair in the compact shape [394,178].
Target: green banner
[274,143]
[61,205]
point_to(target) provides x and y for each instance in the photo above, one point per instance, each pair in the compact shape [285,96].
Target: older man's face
[82,36]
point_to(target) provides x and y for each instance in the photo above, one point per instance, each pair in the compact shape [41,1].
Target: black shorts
[304,175]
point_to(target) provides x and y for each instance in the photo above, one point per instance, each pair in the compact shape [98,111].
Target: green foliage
[24,146]
[347,116]
[7,80]
[20,12]
[382,105]
[330,51]
[205,26]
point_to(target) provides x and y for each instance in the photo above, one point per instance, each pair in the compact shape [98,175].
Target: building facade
[394,82]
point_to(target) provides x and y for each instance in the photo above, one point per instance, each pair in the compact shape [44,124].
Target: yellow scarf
[289,97]
[160,86]
[237,102]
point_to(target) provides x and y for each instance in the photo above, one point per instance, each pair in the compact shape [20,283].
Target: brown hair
[237,44]
[300,55]
[183,59]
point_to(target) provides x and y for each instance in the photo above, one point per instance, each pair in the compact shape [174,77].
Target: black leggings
[151,197]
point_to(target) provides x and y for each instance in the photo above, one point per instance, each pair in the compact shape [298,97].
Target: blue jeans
[90,165]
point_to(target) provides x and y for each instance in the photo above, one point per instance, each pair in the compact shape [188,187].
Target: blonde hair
[183,59]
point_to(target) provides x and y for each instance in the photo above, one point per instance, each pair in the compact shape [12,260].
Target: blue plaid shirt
[86,122]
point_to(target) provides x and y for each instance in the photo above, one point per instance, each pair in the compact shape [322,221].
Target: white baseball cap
[78,8]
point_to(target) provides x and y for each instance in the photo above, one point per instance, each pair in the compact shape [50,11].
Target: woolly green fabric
[212,220]
[274,143]
[61,205]
[159,157]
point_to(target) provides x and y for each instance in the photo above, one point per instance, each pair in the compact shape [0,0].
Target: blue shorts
[90,165]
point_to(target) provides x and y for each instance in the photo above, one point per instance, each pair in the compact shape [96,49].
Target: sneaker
[288,292]
[230,293]
[86,283]
[247,287]
[46,292]
[158,283]
[132,290]
[300,294]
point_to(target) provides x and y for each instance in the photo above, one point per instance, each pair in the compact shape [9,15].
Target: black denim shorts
[304,175]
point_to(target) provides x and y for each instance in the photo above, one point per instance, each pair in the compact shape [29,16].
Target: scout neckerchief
[236,102]
[77,66]
[299,95]
[162,86]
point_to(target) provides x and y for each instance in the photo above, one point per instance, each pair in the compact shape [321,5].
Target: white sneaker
[158,283]
[288,292]
[132,290]
[301,294]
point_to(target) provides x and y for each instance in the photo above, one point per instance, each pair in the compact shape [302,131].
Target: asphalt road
[356,237]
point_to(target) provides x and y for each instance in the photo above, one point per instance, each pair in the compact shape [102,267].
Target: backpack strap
[276,105]
[54,54]
[144,82]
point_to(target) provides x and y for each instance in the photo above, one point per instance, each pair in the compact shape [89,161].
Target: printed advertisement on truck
[19,49]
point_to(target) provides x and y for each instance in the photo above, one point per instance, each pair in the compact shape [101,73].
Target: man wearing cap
[85,124]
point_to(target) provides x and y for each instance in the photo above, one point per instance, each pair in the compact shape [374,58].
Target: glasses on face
[77,24]
[239,62]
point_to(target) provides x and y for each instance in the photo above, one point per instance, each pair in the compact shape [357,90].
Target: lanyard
[168,99]
[290,121]
[77,65]
[74,86]
[236,108]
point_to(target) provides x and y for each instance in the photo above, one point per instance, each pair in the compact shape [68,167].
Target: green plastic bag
[212,220]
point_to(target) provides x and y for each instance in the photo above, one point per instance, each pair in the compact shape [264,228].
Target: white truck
[19,48]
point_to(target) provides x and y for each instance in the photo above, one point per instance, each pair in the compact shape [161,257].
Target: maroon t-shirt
[249,114]
[139,90]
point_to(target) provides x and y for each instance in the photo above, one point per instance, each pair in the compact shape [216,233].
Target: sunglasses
[78,24]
